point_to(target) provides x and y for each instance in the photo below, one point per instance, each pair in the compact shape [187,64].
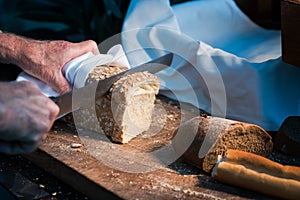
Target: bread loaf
[287,139]
[206,137]
[260,174]
[126,110]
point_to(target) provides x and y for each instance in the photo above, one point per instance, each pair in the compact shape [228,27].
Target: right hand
[45,60]
[26,115]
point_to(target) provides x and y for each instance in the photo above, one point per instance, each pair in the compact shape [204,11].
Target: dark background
[77,20]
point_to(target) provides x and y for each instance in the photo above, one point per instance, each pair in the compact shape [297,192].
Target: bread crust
[213,136]
[259,174]
[262,164]
[114,114]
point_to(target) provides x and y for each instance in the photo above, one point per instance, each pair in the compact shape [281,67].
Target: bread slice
[126,110]
[202,138]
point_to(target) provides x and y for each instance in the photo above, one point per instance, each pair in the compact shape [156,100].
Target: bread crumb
[76,145]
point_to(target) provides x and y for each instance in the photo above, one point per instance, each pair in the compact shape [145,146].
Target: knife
[85,96]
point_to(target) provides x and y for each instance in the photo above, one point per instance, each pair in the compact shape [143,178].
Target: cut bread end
[202,139]
[244,137]
[127,110]
[132,101]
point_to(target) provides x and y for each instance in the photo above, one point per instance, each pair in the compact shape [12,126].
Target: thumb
[84,47]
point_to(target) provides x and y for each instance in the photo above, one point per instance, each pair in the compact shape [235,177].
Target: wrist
[10,48]
[28,53]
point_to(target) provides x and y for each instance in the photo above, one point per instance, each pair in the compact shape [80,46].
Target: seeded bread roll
[206,137]
[126,110]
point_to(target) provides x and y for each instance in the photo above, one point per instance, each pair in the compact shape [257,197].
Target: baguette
[259,174]
[206,137]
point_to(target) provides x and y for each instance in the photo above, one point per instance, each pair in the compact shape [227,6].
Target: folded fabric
[77,70]
[224,63]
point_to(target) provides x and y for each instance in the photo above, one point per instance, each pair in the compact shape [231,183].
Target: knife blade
[85,96]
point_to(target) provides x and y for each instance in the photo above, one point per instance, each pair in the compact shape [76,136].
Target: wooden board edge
[69,176]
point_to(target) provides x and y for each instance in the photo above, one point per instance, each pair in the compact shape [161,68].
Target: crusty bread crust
[213,136]
[264,165]
[131,105]
[260,174]
[126,110]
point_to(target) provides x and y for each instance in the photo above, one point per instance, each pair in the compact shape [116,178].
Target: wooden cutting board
[104,170]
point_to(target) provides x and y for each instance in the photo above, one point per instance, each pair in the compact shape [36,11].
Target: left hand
[45,59]
[26,115]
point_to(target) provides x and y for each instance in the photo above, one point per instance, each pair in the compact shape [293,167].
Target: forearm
[43,59]
[10,48]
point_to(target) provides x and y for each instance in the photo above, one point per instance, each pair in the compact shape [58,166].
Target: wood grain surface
[112,171]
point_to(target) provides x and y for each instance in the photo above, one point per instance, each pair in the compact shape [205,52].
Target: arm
[43,59]
[26,115]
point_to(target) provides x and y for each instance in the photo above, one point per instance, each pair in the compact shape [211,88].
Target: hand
[45,59]
[26,116]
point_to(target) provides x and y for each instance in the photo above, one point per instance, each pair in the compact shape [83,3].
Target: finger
[44,136]
[84,47]
[39,104]
[28,87]
[92,46]
[42,117]
[53,110]
[60,83]
[96,50]
[48,117]
[37,124]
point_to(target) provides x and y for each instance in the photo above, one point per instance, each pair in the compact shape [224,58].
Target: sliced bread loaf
[202,139]
[126,110]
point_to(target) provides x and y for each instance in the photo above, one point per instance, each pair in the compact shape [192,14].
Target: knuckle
[27,88]
[92,43]
[26,84]
[53,110]
[63,44]
[42,128]
[62,88]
